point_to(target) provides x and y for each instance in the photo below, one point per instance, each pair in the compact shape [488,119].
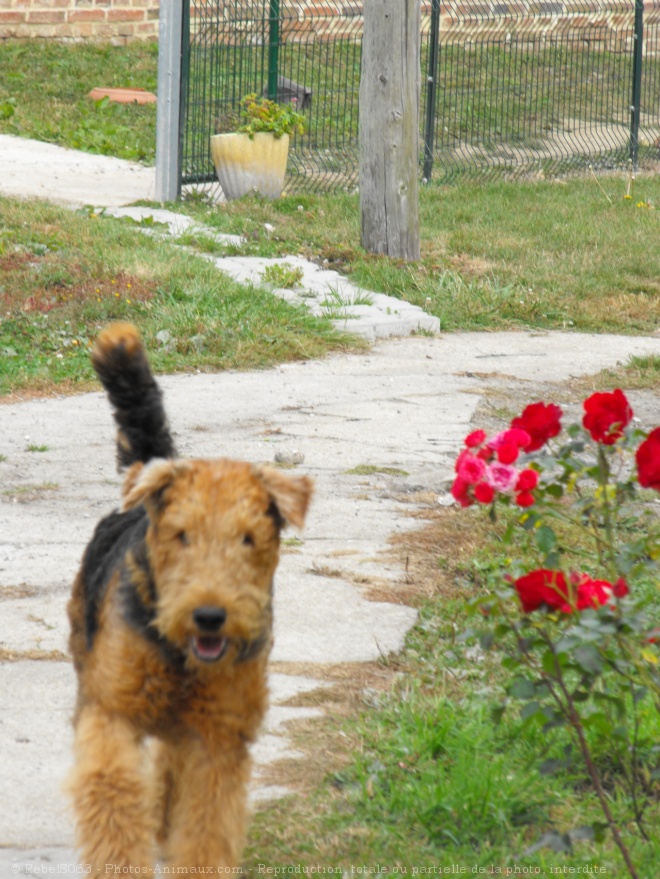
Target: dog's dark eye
[182,537]
[248,540]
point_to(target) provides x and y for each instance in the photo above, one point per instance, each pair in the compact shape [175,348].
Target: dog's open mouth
[209,648]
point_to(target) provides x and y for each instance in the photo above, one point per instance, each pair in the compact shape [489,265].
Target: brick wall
[596,23]
[115,21]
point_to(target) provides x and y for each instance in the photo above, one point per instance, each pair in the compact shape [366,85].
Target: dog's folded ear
[291,494]
[146,484]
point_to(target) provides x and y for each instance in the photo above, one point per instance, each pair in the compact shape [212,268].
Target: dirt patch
[325,741]
[8,593]
[471,266]
[64,388]
[33,655]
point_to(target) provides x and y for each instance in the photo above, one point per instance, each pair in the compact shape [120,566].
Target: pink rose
[502,477]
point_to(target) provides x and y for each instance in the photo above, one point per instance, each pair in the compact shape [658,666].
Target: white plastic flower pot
[244,165]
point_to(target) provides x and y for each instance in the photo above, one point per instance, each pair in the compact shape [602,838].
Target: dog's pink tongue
[210,648]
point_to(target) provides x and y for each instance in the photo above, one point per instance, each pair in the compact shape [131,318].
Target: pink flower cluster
[485,468]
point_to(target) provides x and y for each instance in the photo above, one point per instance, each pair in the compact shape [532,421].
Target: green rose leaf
[589,659]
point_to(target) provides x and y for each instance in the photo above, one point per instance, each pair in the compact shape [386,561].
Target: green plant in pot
[254,156]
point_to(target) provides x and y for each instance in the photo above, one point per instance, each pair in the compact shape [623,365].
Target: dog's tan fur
[197,543]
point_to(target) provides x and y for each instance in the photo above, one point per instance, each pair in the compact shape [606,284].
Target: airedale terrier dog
[171,622]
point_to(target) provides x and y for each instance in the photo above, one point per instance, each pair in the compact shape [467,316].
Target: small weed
[26,493]
[372,469]
[35,448]
[337,306]
[3,459]
[362,297]
[293,542]
[282,275]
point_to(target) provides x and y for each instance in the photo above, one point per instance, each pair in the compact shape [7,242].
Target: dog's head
[213,545]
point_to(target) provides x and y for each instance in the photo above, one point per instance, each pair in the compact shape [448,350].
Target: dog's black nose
[209,619]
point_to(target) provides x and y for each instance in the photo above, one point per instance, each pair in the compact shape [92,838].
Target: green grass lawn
[495,257]
[550,255]
[63,275]
[58,110]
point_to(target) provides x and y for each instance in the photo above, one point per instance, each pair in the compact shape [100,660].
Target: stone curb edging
[323,291]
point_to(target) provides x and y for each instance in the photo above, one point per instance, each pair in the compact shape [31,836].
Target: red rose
[620,588]
[462,455]
[595,593]
[541,421]
[484,493]
[525,499]
[507,453]
[606,416]
[476,438]
[518,436]
[542,587]
[471,469]
[460,492]
[508,444]
[550,588]
[592,593]
[648,461]
[527,480]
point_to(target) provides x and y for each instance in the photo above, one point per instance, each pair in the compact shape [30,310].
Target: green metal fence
[515,89]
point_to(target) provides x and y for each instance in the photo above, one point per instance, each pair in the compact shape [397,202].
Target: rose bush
[574,613]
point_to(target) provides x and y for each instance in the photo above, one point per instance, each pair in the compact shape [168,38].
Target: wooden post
[389,132]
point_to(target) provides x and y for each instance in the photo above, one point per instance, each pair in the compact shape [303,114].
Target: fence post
[273,49]
[431,90]
[635,107]
[168,110]
[389,128]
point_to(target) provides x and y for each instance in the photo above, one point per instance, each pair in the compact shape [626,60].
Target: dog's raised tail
[121,364]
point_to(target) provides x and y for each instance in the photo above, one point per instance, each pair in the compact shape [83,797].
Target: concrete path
[405,405]
[32,169]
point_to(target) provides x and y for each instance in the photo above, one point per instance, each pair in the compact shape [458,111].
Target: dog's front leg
[111,794]
[208,808]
